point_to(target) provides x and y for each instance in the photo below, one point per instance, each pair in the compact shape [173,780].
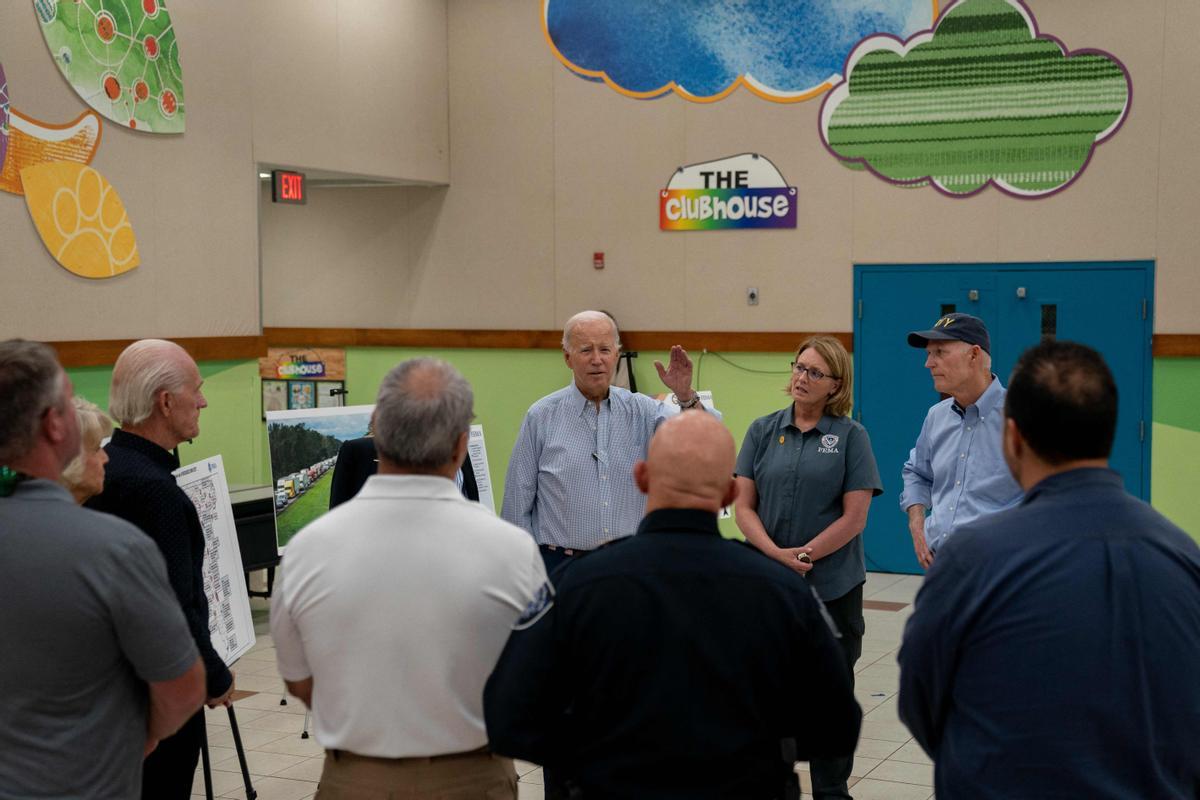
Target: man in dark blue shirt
[156,398]
[674,664]
[1053,649]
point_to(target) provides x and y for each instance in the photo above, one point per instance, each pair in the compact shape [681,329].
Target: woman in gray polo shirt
[806,476]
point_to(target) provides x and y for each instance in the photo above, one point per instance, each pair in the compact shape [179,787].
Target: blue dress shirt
[570,478]
[1053,650]
[957,469]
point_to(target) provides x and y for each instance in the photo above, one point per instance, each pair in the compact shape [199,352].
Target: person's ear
[163,401]
[460,448]
[641,477]
[731,493]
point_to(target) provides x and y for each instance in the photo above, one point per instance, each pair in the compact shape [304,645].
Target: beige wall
[547,168]
[355,86]
[191,198]
[544,169]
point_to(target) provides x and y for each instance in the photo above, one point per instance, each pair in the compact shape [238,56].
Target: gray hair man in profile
[98,663]
[394,607]
[156,399]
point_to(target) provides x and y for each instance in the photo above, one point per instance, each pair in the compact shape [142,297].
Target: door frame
[1145,266]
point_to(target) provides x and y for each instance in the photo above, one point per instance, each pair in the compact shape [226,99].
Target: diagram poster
[477,453]
[121,57]
[229,619]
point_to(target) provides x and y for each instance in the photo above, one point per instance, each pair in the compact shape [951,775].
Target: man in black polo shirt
[156,398]
[674,663]
[1053,649]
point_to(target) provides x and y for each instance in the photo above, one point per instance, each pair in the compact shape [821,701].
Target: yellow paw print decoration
[80,218]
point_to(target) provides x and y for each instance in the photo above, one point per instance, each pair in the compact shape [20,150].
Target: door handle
[973,295]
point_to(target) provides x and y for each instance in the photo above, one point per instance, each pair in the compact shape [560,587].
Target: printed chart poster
[304,446]
[477,453]
[229,619]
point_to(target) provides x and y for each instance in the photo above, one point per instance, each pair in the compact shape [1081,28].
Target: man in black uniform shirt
[674,663]
[156,398]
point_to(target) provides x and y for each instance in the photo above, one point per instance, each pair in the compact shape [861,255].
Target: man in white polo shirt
[393,607]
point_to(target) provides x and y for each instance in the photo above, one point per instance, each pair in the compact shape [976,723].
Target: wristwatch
[695,401]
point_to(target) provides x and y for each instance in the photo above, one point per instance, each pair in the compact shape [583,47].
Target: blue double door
[1106,305]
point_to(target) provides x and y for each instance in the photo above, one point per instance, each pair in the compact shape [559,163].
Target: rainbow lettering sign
[743,191]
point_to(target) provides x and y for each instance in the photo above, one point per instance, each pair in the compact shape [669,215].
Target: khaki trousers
[477,775]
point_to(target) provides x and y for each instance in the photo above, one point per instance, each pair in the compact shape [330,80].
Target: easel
[241,753]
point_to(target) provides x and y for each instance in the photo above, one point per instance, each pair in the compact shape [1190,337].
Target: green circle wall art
[120,56]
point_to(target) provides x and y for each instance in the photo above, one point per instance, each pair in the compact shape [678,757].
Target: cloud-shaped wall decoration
[782,50]
[80,218]
[982,98]
[121,57]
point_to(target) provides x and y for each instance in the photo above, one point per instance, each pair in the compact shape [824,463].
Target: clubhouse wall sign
[742,191]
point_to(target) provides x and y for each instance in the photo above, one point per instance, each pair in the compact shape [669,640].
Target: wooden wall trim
[104,352]
[229,348]
[1176,345]
[723,341]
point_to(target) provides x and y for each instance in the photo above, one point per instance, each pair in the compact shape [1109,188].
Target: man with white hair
[570,478]
[956,472]
[156,399]
[394,607]
[98,662]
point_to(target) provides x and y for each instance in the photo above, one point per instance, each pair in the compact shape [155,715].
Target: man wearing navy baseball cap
[956,472]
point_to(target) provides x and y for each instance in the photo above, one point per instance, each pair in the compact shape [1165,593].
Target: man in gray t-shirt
[98,662]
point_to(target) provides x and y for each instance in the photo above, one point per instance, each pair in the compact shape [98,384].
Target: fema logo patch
[542,600]
[828,443]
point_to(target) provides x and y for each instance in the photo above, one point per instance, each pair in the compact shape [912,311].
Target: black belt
[338,755]
[566,551]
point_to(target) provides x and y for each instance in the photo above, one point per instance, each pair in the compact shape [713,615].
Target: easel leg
[208,790]
[241,753]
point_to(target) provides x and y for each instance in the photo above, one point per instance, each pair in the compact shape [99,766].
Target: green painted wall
[744,385]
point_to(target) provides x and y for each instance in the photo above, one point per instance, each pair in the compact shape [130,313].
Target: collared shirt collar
[786,419]
[680,520]
[986,402]
[140,444]
[421,487]
[614,398]
[42,489]
[1074,479]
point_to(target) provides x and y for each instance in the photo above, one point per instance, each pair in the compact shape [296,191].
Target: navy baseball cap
[954,327]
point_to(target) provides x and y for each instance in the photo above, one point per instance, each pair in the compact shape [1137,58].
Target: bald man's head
[689,464]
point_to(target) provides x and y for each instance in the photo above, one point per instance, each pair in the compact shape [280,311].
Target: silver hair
[30,382]
[144,369]
[94,425]
[588,316]
[424,406]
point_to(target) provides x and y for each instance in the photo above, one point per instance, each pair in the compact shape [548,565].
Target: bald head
[689,464]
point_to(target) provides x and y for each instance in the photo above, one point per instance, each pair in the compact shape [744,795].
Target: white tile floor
[889,765]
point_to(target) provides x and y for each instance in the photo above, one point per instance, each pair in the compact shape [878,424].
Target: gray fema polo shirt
[800,479]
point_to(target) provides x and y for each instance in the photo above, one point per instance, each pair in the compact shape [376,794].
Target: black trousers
[829,775]
[168,772]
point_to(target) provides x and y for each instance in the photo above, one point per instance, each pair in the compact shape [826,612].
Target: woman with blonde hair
[806,475]
[84,476]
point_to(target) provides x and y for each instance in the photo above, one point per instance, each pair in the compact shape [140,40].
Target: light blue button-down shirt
[570,478]
[957,469]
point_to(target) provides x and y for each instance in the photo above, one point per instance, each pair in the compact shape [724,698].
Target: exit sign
[288,187]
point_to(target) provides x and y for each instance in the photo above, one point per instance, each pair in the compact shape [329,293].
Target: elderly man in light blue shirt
[957,471]
[570,478]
